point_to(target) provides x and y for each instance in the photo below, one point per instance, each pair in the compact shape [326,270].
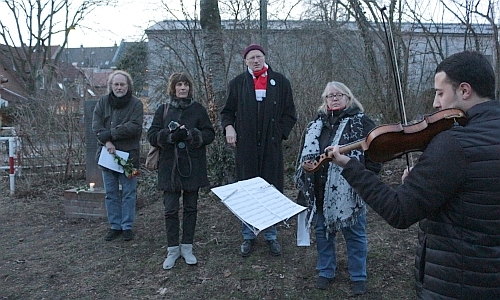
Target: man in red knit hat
[258,115]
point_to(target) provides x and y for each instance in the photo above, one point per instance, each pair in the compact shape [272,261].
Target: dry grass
[44,255]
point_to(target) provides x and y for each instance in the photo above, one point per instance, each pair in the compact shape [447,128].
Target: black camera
[173,125]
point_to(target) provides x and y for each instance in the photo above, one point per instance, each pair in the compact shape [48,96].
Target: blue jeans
[356,244]
[120,208]
[269,233]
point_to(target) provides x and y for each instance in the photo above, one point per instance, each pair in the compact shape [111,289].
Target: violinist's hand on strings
[337,158]
[406,172]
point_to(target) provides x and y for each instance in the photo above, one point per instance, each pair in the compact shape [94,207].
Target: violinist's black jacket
[454,194]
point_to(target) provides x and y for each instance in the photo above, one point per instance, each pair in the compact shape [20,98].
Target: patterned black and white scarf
[341,204]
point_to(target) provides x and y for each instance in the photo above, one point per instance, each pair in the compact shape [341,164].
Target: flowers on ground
[128,167]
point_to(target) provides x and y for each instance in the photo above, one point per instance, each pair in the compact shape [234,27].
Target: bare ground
[45,255]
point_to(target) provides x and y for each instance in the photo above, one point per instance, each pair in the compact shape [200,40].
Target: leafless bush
[51,132]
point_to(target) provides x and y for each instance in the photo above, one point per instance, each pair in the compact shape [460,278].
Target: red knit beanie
[253,47]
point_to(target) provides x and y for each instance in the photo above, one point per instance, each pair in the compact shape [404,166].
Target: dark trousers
[189,214]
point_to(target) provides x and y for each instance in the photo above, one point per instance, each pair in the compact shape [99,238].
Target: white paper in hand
[108,160]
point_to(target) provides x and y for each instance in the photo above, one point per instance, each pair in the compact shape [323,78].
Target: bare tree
[485,10]
[418,44]
[49,124]
[37,23]
[180,52]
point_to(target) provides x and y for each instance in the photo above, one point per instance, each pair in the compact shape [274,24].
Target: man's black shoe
[246,248]
[274,247]
[128,235]
[112,234]
[359,287]
[322,283]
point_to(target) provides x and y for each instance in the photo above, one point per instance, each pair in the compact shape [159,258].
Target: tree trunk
[214,51]
[215,84]
[263,24]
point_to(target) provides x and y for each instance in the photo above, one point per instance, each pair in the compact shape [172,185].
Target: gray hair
[351,100]
[130,82]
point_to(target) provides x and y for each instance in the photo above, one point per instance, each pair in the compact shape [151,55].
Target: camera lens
[173,125]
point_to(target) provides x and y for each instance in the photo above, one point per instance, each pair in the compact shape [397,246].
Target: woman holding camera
[182,129]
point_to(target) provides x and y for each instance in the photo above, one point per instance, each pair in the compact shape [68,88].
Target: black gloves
[179,135]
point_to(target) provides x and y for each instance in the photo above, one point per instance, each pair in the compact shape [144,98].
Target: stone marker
[92,172]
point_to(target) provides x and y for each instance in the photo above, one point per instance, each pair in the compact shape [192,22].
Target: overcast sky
[109,25]
[106,26]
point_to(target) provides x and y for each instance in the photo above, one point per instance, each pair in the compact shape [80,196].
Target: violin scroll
[314,165]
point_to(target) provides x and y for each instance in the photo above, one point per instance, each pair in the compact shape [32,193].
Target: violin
[387,142]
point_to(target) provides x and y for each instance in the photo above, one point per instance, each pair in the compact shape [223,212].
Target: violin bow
[391,48]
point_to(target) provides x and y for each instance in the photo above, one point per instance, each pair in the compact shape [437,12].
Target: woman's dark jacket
[454,191]
[182,164]
[259,151]
[120,123]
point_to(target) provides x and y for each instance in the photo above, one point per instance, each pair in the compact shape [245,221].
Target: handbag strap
[165,110]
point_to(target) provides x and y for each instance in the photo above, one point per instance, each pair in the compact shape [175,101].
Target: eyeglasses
[338,96]
[256,57]
[120,84]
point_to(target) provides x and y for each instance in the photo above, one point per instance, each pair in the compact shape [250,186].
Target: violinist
[453,191]
[332,202]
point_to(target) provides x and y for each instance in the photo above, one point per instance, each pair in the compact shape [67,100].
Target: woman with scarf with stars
[333,203]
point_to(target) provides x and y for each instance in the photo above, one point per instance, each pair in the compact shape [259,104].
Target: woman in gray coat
[182,129]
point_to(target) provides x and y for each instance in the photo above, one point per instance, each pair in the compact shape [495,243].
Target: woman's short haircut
[176,78]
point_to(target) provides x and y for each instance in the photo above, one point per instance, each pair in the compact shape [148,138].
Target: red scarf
[260,83]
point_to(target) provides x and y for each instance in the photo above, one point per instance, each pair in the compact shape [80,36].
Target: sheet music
[303,230]
[257,203]
[108,161]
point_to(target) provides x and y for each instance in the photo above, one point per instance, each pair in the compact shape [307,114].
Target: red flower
[134,173]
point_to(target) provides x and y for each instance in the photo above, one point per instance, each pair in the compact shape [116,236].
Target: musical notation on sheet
[257,203]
